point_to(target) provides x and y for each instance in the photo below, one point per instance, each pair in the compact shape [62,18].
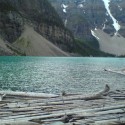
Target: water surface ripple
[55,74]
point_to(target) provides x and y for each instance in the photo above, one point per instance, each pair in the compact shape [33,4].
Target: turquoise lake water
[53,75]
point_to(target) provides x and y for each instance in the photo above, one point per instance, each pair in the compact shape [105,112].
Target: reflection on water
[53,75]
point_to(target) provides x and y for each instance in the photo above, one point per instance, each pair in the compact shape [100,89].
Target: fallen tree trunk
[2,96]
[117,72]
[99,95]
[116,121]
[55,110]
[105,91]
[28,94]
[16,122]
[44,95]
[85,113]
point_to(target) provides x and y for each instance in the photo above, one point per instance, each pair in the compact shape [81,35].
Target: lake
[56,74]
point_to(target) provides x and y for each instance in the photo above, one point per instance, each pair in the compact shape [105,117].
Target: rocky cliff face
[39,14]
[58,36]
[89,19]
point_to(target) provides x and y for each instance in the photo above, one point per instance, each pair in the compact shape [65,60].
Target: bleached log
[2,105]
[103,115]
[116,121]
[117,72]
[99,95]
[17,122]
[34,111]
[2,96]
[105,91]
[86,113]
[28,94]
[49,118]
[119,98]
[44,95]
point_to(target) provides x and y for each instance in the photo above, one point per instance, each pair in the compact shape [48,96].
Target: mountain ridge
[41,16]
[85,17]
[16,16]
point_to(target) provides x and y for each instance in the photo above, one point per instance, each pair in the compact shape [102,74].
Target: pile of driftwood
[104,108]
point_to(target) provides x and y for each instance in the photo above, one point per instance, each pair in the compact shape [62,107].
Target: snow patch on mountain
[120,8]
[104,26]
[94,34]
[115,22]
[80,6]
[64,8]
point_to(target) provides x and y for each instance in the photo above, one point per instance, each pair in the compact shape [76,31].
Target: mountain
[99,23]
[33,28]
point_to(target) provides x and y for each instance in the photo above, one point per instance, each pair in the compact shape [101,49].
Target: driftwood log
[114,71]
[98,95]
[28,94]
[17,108]
[2,96]
[43,95]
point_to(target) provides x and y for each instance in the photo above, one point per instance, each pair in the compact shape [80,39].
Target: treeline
[6,7]
[84,49]
[49,15]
